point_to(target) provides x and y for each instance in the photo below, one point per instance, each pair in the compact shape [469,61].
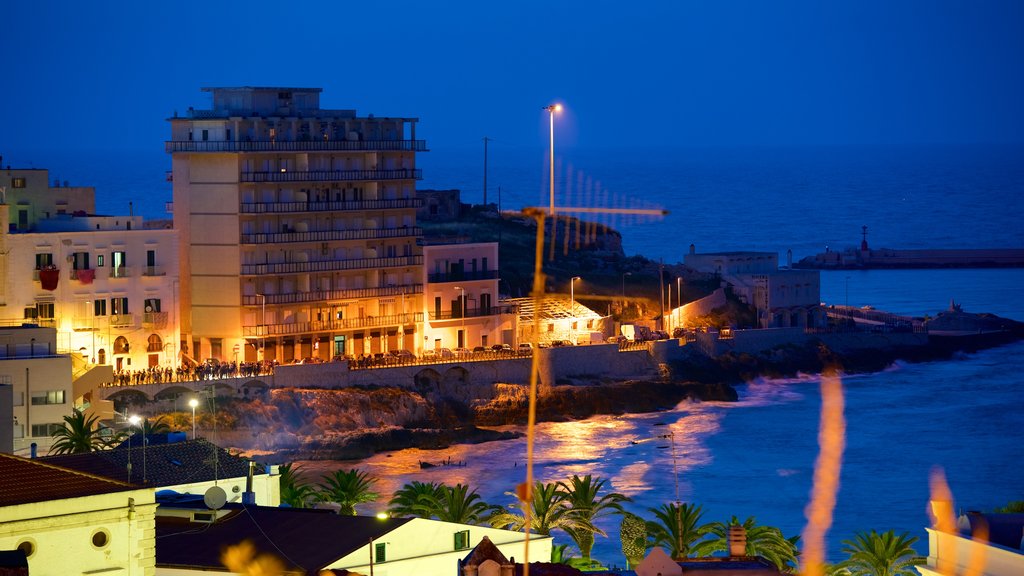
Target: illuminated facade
[38,380]
[461,303]
[297,225]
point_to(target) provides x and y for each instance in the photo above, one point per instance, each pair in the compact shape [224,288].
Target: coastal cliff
[355,423]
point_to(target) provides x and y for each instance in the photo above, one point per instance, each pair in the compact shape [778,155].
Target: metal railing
[462,276]
[331,325]
[122,320]
[280,207]
[153,271]
[173,146]
[330,265]
[331,175]
[155,319]
[326,235]
[120,272]
[473,312]
[327,295]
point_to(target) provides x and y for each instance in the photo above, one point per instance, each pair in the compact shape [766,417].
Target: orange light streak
[832,442]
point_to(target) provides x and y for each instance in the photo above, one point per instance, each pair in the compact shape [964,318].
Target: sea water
[754,457]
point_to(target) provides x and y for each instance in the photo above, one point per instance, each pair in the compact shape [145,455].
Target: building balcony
[328,235]
[473,313]
[264,330]
[156,320]
[154,271]
[321,296]
[120,272]
[362,205]
[331,175]
[122,320]
[440,277]
[331,265]
[39,322]
[301,146]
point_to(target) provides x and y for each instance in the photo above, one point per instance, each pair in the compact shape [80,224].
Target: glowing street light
[462,312]
[551,116]
[193,403]
[572,304]
[136,420]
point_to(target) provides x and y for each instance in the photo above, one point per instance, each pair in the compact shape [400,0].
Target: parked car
[525,348]
[429,354]
[402,355]
[502,348]
[445,353]
[559,343]
[480,350]
[463,352]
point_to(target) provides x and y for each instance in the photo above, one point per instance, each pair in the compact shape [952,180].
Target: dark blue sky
[105,75]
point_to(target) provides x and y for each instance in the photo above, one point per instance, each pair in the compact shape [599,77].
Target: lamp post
[193,403]
[462,312]
[135,421]
[551,116]
[263,326]
[380,516]
[624,289]
[572,305]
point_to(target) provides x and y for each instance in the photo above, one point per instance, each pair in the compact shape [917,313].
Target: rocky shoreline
[357,422]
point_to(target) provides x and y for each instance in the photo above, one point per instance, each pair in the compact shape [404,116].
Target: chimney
[249,497]
[737,540]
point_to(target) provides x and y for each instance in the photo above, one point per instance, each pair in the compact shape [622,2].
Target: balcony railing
[331,325]
[331,175]
[330,265]
[121,272]
[292,146]
[153,271]
[280,207]
[41,322]
[473,313]
[367,234]
[155,319]
[327,295]
[462,276]
[122,320]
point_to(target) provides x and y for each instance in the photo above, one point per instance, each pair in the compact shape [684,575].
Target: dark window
[45,309]
[462,540]
[99,308]
[152,305]
[118,305]
[380,553]
[150,257]
[44,260]
[80,261]
[206,135]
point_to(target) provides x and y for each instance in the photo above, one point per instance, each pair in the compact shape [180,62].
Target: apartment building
[31,197]
[107,284]
[462,308]
[297,227]
[38,381]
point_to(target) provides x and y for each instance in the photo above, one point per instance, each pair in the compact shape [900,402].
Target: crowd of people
[189,372]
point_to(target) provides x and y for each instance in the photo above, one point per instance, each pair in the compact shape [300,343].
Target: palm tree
[460,505]
[677,528]
[157,426]
[582,497]
[548,512]
[295,491]
[764,541]
[347,488]
[78,434]
[416,499]
[633,533]
[885,554]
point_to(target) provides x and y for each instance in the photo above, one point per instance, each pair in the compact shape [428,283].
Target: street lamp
[572,304]
[624,289]
[551,116]
[462,312]
[193,403]
[263,326]
[380,516]
[136,421]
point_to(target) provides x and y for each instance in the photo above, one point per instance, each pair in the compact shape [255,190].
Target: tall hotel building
[297,228]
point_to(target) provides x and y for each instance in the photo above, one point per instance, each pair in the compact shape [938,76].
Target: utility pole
[486,140]
[661,287]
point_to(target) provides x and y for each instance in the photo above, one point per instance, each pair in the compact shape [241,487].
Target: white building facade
[461,297]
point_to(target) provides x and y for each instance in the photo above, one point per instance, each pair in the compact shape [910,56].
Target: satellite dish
[215,498]
[149,308]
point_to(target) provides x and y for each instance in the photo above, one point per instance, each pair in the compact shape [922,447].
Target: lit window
[18,183]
